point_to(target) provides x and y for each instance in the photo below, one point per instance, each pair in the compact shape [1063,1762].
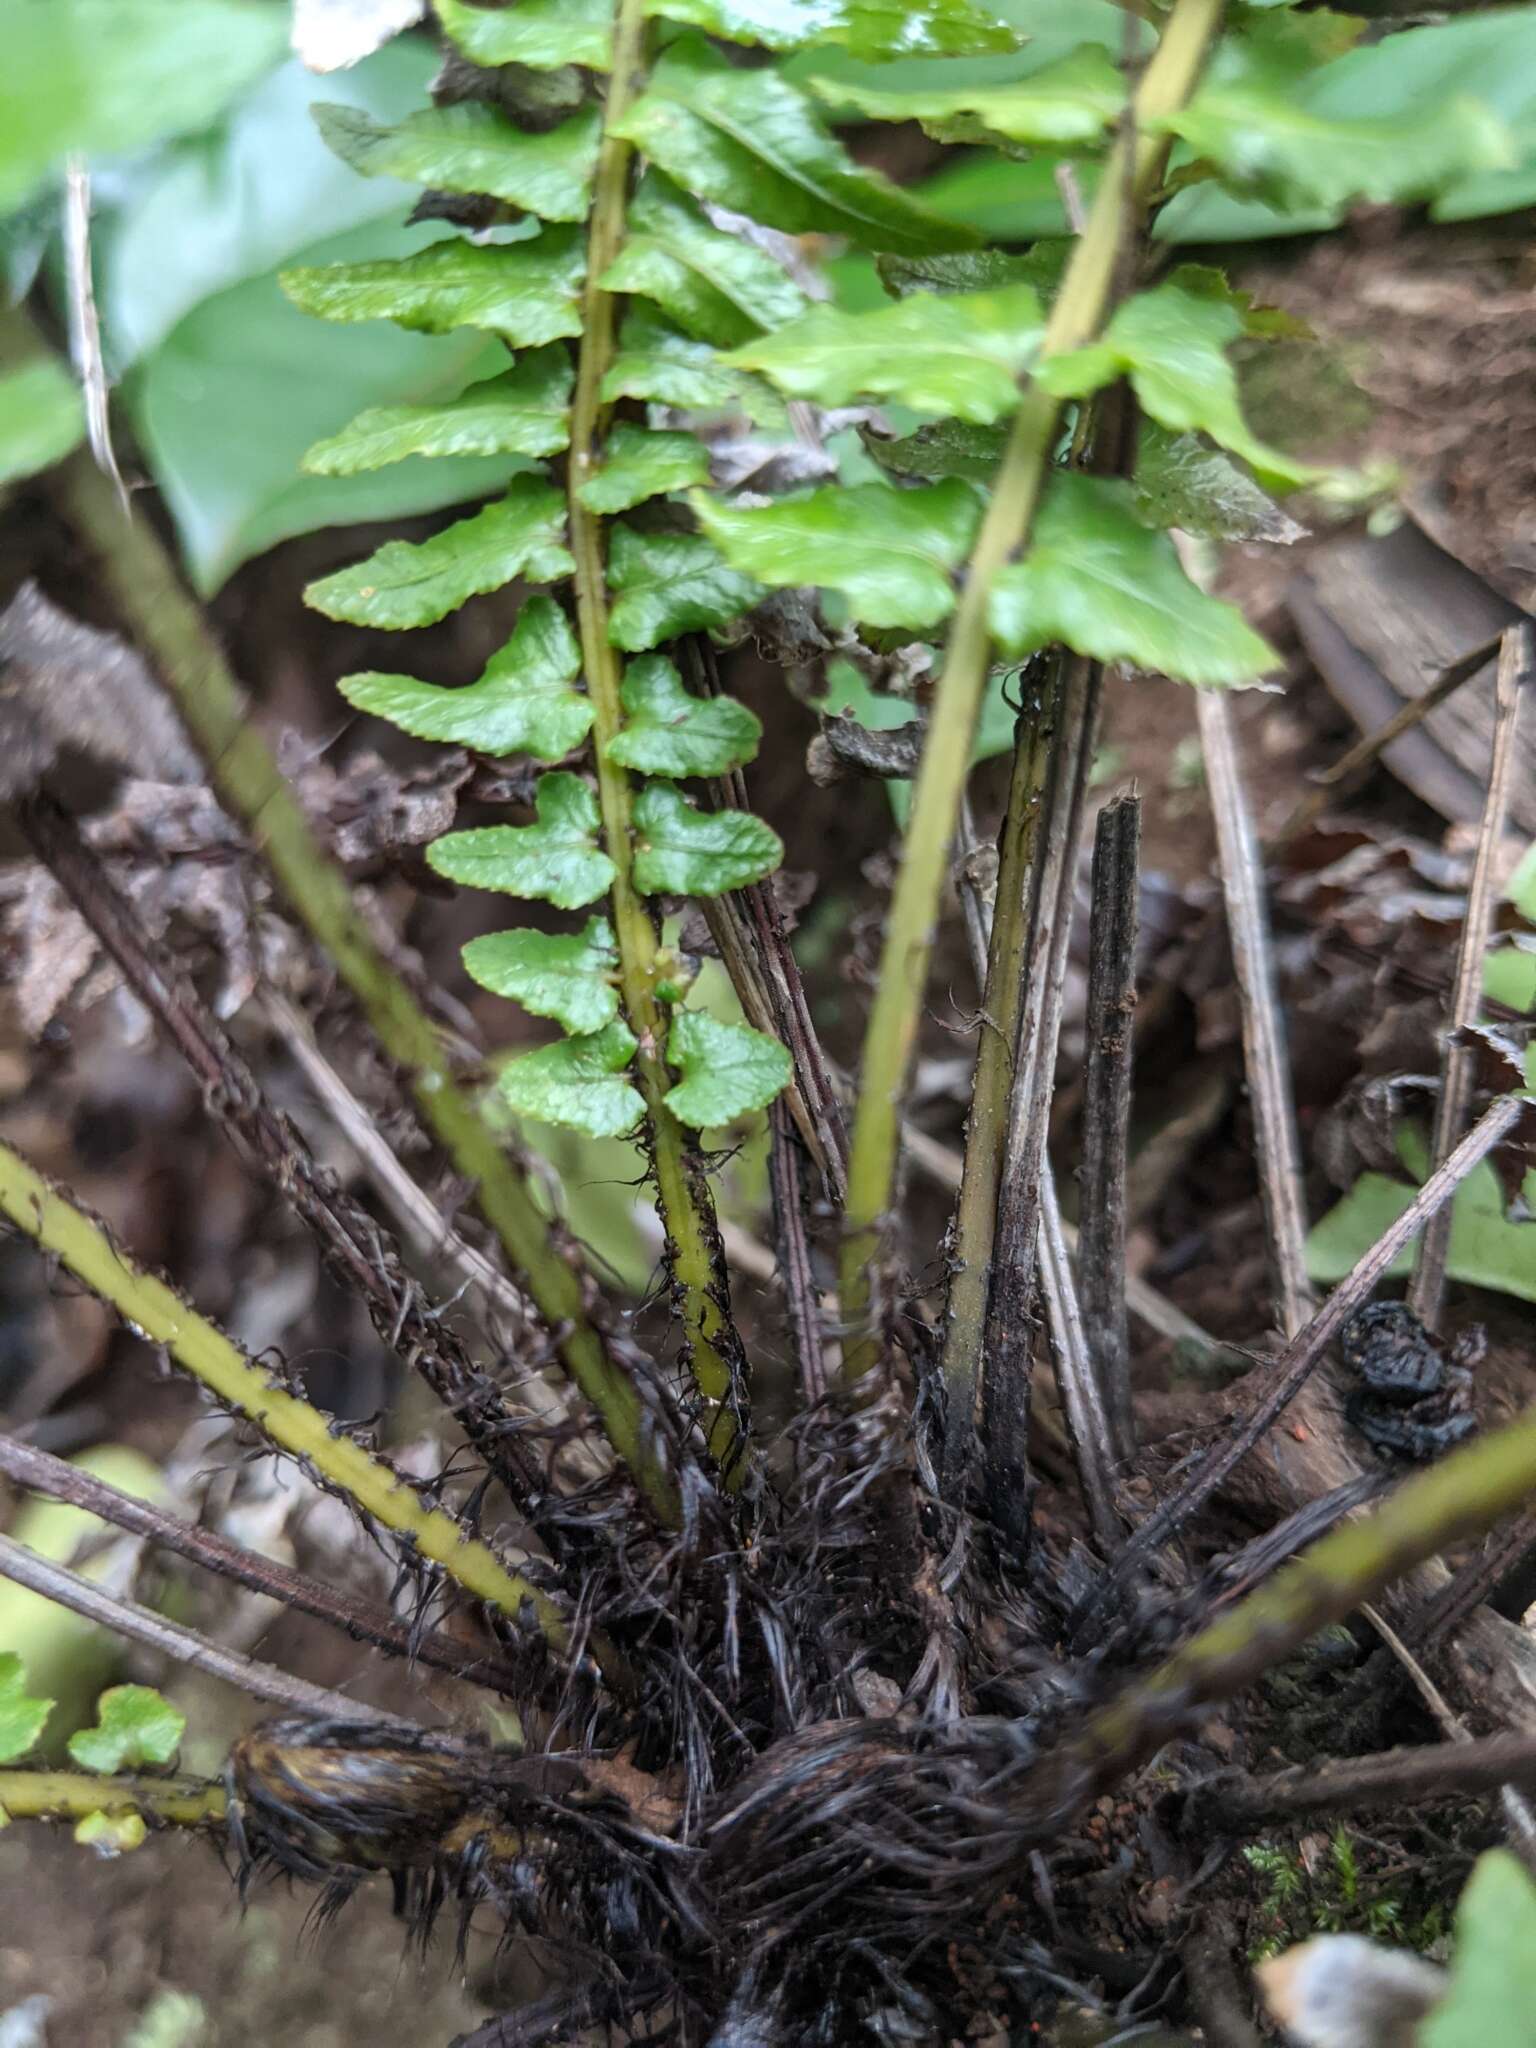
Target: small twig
[1082,1402]
[1331,781]
[84,321]
[1458,1066]
[1269,1086]
[1106,1111]
[1209,1954]
[364,1620]
[1468,1587]
[1304,1353]
[794,1261]
[1232,1803]
[72,1795]
[185,1645]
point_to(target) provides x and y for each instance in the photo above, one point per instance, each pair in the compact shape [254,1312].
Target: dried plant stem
[802,1303]
[1134,166]
[364,1620]
[714,1352]
[171,630]
[1332,781]
[1264,1053]
[1107,1111]
[58,1225]
[1458,1064]
[141,1625]
[1232,1803]
[73,1795]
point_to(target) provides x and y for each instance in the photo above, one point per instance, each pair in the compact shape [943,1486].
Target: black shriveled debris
[1414,1399]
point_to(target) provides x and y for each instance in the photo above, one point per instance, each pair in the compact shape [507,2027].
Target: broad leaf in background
[1097,580]
[567,976]
[22,1719]
[958,354]
[578,1082]
[408,583]
[664,584]
[668,732]
[1073,101]
[103,77]
[890,553]
[865,28]
[638,464]
[475,149]
[554,860]
[942,448]
[542,34]
[715,286]
[1171,342]
[680,851]
[526,702]
[524,291]
[1520,889]
[752,142]
[135,1726]
[727,1069]
[1492,1995]
[657,363]
[42,418]
[524,411]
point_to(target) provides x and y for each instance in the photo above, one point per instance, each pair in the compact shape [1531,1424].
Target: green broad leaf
[750,141]
[658,364]
[556,859]
[526,702]
[1097,580]
[1520,889]
[728,1070]
[524,411]
[111,1834]
[42,418]
[103,77]
[959,355]
[1181,481]
[664,584]
[578,1082]
[1509,975]
[542,34]
[975,270]
[891,553]
[568,976]
[681,851]
[668,732]
[22,1720]
[411,583]
[134,1726]
[715,286]
[942,448]
[527,292]
[1492,1994]
[638,464]
[867,29]
[1171,342]
[1067,104]
[473,148]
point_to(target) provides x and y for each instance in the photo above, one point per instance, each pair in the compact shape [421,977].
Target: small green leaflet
[568,975]
[523,411]
[473,148]
[868,29]
[680,851]
[526,702]
[1492,1992]
[1063,105]
[134,1726]
[716,286]
[751,141]
[22,1720]
[111,1834]
[891,553]
[578,1082]
[727,1069]
[527,292]
[409,583]
[1098,581]
[1171,342]
[638,464]
[41,418]
[657,363]
[542,34]
[958,355]
[669,583]
[1181,481]
[975,270]
[556,859]
[668,732]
